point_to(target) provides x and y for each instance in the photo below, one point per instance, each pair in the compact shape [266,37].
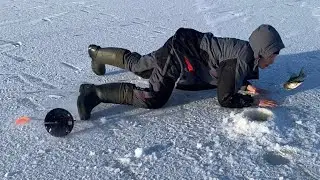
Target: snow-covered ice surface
[43,60]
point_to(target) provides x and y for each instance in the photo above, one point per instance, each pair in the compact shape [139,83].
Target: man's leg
[162,83]
[122,58]
[141,65]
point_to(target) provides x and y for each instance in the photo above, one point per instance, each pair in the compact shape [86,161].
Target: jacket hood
[265,41]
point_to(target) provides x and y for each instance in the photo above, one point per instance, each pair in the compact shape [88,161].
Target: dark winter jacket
[226,63]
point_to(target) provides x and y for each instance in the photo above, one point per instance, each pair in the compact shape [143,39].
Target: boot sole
[92,50]
[80,102]
[81,109]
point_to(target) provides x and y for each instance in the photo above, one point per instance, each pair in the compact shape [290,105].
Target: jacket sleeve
[228,87]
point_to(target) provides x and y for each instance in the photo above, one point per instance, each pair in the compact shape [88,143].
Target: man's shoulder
[246,53]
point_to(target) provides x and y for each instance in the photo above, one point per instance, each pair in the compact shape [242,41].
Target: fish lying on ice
[295,80]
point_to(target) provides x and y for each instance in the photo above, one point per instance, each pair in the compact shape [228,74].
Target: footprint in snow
[157,149]
[275,159]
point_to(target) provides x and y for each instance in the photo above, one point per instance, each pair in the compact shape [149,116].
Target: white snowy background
[43,60]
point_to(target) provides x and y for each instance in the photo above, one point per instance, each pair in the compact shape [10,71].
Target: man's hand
[255,91]
[265,102]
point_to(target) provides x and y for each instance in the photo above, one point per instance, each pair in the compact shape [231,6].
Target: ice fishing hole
[258,114]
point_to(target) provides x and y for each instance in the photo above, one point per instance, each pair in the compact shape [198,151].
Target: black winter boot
[91,95]
[101,56]
[87,100]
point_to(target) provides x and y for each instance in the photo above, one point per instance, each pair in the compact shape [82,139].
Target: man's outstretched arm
[227,90]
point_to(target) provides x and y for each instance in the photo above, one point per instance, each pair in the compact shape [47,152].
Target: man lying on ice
[189,60]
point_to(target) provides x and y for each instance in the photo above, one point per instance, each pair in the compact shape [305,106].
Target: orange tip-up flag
[22,120]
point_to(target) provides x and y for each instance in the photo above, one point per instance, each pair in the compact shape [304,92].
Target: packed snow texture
[43,60]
